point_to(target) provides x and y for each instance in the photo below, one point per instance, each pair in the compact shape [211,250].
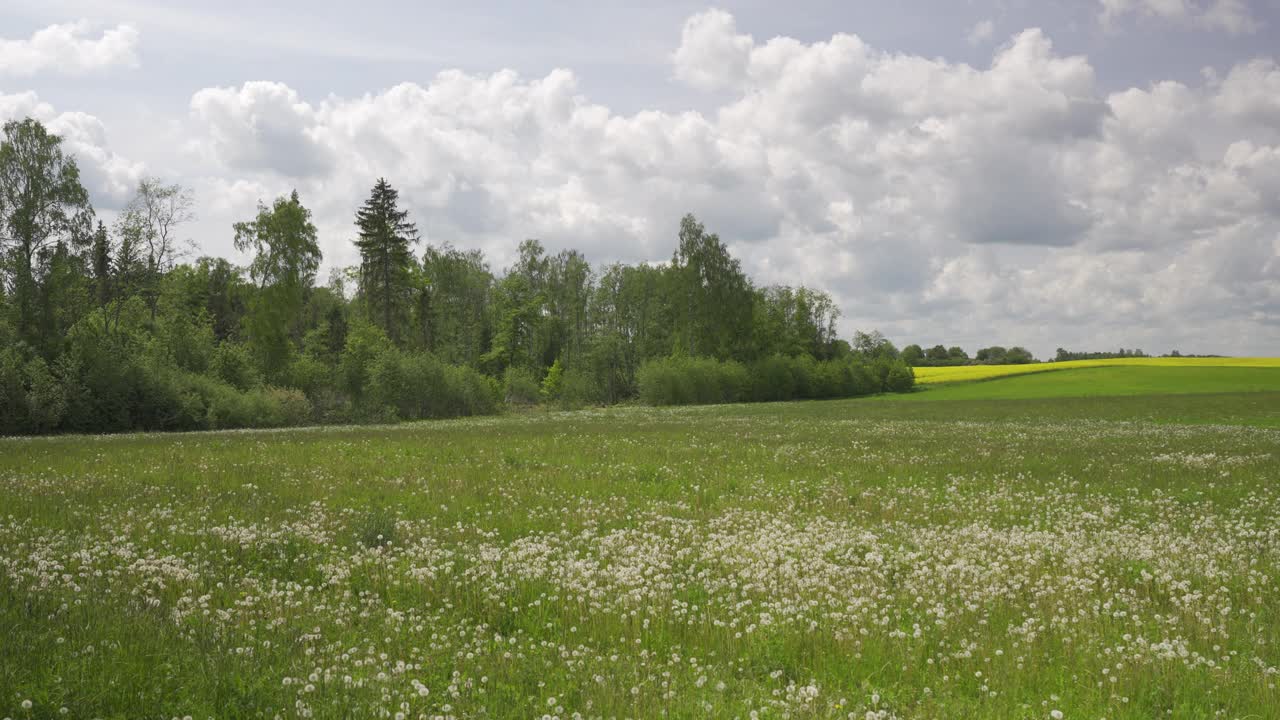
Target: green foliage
[1018,356]
[309,375]
[520,387]
[386,261]
[683,380]
[231,363]
[104,329]
[912,354]
[264,407]
[553,383]
[286,257]
[457,318]
[43,206]
[578,389]
[710,298]
[900,378]
[413,386]
[364,342]
[185,340]
[686,381]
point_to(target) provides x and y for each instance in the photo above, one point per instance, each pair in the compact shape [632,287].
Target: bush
[520,387]
[287,407]
[691,381]
[685,381]
[309,375]
[553,383]
[862,380]
[578,389]
[772,379]
[364,344]
[831,379]
[901,378]
[233,364]
[46,401]
[13,394]
[413,386]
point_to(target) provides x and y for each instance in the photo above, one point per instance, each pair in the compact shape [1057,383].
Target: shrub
[287,406]
[520,387]
[309,375]
[684,381]
[901,378]
[228,407]
[413,386]
[233,364]
[13,394]
[553,383]
[578,389]
[772,379]
[689,381]
[863,381]
[365,342]
[46,400]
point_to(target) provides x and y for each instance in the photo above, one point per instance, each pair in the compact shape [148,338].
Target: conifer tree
[385,240]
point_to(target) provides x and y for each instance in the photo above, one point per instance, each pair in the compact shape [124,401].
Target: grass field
[1098,557]
[961,373]
[1106,380]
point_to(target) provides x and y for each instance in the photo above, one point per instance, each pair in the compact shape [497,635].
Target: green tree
[711,297]
[873,346]
[912,354]
[569,283]
[458,324]
[385,239]
[994,355]
[42,205]
[151,220]
[286,258]
[1018,356]
[101,258]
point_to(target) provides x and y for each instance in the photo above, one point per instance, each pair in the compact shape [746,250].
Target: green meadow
[1106,381]
[1096,543]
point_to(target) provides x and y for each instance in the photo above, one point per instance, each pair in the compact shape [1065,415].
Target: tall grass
[785,559]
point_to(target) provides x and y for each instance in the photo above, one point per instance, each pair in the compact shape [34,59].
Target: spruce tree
[385,240]
[102,265]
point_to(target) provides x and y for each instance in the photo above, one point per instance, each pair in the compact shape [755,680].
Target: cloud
[109,177]
[712,55]
[1230,16]
[1016,202]
[260,125]
[68,49]
[981,32]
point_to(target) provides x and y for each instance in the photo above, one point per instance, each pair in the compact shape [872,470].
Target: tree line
[112,328]
[939,355]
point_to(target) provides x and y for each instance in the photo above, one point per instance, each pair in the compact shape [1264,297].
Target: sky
[1089,174]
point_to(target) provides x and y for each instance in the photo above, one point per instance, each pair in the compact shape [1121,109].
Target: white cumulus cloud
[1229,16]
[981,32]
[69,49]
[109,177]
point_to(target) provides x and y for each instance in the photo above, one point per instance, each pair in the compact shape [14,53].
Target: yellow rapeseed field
[932,375]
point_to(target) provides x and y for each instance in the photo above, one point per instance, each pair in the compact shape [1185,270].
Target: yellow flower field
[932,375]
